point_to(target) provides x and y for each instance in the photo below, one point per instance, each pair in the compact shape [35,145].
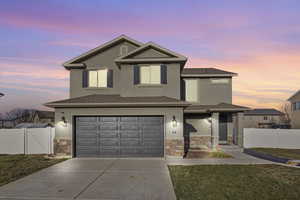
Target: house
[262,118]
[130,99]
[43,117]
[295,111]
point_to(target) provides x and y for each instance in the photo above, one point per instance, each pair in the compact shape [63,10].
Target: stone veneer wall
[174,147]
[200,142]
[62,147]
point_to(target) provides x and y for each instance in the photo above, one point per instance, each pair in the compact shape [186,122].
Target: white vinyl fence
[27,141]
[272,138]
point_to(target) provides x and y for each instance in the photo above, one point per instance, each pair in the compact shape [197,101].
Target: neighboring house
[295,113]
[41,116]
[129,99]
[7,123]
[262,118]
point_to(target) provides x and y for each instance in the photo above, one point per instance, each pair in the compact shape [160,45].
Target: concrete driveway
[92,178]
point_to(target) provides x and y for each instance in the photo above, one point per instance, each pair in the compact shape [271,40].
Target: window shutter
[163,74]
[110,79]
[183,88]
[136,74]
[85,78]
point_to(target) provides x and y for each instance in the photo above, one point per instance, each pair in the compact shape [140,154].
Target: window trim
[93,87]
[197,90]
[149,84]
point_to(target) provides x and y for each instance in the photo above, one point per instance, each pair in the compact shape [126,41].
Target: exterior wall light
[63,119]
[174,122]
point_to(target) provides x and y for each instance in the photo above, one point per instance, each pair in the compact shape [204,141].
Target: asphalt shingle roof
[117,99]
[263,111]
[205,71]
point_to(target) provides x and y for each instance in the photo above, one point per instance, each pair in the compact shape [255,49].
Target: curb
[266,156]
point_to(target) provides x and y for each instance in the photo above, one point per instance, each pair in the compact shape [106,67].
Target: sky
[259,40]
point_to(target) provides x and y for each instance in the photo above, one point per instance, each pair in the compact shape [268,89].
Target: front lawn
[236,182]
[293,154]
[13,167]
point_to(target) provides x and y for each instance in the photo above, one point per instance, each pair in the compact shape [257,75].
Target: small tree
[286,110]
[20,115]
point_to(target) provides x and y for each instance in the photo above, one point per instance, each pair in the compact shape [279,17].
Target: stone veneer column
[215,129]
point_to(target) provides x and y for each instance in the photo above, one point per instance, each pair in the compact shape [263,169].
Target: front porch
[207,127]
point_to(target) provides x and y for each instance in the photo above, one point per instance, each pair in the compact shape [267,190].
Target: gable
[150,53]
[107,56]
[77,62]
[295,97]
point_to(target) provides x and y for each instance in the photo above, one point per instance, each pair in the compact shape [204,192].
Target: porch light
[174,122]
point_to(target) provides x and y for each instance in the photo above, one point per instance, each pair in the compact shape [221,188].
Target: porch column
[240,129]
[215,129]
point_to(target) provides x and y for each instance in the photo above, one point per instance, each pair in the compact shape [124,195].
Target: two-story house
[263,118]
[295,111]
[129,99]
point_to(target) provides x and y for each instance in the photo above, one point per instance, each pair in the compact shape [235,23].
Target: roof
[294,95]
[203,72]
[72,63]
[45,114]
[263,111]
[174,57]
[196,108]
[98,100]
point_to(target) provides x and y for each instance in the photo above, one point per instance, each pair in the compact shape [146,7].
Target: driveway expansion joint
[93,181]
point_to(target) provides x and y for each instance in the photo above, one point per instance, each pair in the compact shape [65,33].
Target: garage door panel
[130,134]
[87,119]
[108,119]
[124,126]
[109,134]
[130,142]
[129,119]
[126,136]
[109,142]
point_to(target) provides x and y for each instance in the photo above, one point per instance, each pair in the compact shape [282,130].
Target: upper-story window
[150,74]
[98,78]
[101,78]
[296,106]
[265,117]
[191,90]
[219,81]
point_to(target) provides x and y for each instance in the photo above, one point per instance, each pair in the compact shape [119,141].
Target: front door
[223,128]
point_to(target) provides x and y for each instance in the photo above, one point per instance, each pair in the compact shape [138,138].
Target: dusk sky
[258,39]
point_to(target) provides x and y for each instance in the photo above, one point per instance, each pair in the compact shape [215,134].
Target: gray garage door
[124,136]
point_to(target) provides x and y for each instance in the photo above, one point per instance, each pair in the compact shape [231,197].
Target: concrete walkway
[133,179]
[239,158]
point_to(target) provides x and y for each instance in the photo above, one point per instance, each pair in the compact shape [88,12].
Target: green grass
[236,182]
[284,153]
[13,167]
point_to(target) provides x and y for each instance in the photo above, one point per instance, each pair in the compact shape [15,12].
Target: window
[265,117]
[191,90]
[123,50]
[98,78]
[296,106]
[150,74]
[220,81]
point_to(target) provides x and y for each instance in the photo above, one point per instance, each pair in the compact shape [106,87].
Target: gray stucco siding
[212,94]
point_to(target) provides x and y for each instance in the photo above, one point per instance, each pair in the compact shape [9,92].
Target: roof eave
[135,104]
[208,75]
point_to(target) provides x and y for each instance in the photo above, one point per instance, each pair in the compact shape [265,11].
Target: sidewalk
[239,158]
